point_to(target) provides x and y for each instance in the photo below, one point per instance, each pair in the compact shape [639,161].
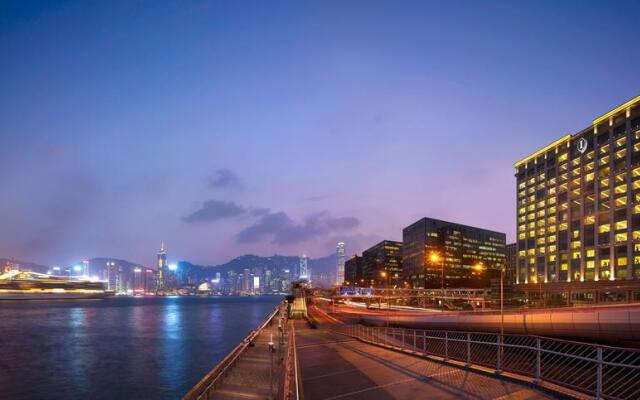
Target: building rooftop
[626,106]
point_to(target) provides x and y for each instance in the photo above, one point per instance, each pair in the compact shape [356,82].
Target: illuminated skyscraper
[578,208]
[382,264]
[304,273]
[437,253]
[112,276]
[341,261]
[85,267]
[162,265]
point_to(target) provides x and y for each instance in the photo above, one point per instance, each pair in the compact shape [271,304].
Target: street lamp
[480,267]
[435,258]
[383,274]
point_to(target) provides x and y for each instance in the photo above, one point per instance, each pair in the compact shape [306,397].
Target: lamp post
[384,274]
[271,351]
[435,257]
[480,267]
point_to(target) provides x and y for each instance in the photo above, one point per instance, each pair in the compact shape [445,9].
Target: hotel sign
[582,145]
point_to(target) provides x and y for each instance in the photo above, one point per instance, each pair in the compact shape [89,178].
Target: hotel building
[578,204]
[431,246]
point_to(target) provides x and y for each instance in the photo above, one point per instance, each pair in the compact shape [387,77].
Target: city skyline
[139,133]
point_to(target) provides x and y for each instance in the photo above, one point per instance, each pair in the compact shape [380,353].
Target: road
[334,366]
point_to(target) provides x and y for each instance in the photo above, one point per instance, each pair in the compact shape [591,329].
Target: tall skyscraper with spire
[162,264]
[341,261]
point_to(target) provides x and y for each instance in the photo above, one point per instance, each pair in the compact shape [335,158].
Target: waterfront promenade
[253,369]
[334,366]
[251,377]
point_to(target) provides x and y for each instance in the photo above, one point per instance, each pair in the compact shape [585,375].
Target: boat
[27,285]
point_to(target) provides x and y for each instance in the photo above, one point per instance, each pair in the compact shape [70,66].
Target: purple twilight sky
[225,128]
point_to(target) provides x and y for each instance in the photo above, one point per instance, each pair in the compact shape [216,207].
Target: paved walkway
[249,378]
[334,366]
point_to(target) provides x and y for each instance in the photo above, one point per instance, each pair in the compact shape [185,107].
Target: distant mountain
[324,265]
[97,265]
[322,269]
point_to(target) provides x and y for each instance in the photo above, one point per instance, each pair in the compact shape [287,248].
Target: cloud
[267,225]
[282,230]
[224,179]
[259,212]
[343,223]
[214,210]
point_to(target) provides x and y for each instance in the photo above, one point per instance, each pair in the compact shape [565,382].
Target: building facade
[382,264]
[353,271]
[431,246]
[511,262]
[304,273]
[162,266]
[578,204]
[340,252]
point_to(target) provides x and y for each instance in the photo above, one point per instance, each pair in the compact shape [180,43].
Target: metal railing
[290,378]
[599,371]
[207,385]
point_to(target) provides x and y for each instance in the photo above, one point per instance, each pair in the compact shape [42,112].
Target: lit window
[604,228]
[622,261]
[621,189]
[621,201]
[591,219]
[591,264]
[621,237]
[621,225]
[591,253]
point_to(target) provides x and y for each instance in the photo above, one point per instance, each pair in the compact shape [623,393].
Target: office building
[353,271]
[382,264]
[112,276]
[578,205]
[341,260]
[438,253]
[162,266]
[304,273]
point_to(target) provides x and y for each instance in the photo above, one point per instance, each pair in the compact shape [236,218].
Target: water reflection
[119,348]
